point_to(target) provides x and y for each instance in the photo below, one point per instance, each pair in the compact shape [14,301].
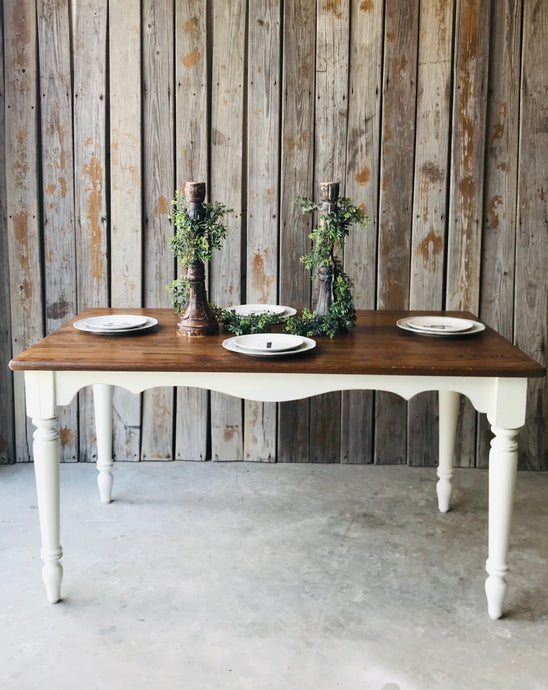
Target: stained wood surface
[430,114]
[191,156]
[375,346]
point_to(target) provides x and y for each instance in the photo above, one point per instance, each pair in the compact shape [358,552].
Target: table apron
[502,399]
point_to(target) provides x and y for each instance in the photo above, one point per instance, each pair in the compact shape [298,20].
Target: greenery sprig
[194,241]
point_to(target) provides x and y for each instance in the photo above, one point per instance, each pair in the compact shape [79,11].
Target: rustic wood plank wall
[432,115]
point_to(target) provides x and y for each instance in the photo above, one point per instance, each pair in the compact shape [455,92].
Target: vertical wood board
[296,179]
[531,297]
[500,193]
[395,200]
[60,281]
[158,162]
[126,270]
[23,222]
[7,444]
[227,179]
[430,200]
[263,144]
[191,156]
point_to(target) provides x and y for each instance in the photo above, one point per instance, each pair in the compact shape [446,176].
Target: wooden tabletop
[375,346]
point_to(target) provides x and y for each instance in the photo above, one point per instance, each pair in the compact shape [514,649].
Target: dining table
[377,355]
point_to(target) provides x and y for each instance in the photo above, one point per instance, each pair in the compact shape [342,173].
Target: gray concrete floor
[294,577]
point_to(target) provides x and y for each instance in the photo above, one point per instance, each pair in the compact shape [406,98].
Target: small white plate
[250,309]
[268,342]
[83,325]
[440,324]
[477,327]
[308,344]
[116,322]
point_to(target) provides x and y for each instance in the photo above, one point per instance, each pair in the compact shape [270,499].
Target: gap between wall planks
[437,129]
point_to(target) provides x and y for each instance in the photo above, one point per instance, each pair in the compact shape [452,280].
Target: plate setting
[440,326]
[254,309]
[269,344]
[117,324]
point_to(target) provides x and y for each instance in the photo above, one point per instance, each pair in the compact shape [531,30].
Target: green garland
[195,241]
[330,233]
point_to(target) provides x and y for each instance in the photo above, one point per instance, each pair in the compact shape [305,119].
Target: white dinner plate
[250,309]
[475,328]
[307,344]
[116,322]
[440,324]
[83,325]
[268,342]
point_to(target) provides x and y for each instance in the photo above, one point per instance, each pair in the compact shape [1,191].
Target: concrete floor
[293,577]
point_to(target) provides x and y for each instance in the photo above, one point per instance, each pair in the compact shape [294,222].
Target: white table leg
[448,411]
[503,460]
[102,401]
[46,449]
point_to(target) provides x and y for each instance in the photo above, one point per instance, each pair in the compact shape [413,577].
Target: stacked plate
[115,324]
[251,309]
[269,344]
[440,326]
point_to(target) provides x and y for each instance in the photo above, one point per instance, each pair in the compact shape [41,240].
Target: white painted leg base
[52,574]
[495,591]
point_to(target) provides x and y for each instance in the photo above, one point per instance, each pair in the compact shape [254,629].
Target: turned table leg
[102,400]
[46,449]
[448,411]
[503,459]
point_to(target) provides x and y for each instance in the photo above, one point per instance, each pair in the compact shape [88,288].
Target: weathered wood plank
[126,271]
[227,127]
[362,174]
[332,30]
[531,313]
[430,200]
[500,195]
[296,180]
[263,142]
[191,155]
[395,200]
[467,177]
[158,183]
[22,196]
[89,55]
[60,280]
[7,441]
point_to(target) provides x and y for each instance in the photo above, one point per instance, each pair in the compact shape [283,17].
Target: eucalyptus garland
[330,233]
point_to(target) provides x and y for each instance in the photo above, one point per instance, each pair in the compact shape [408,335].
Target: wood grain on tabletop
[376,346]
